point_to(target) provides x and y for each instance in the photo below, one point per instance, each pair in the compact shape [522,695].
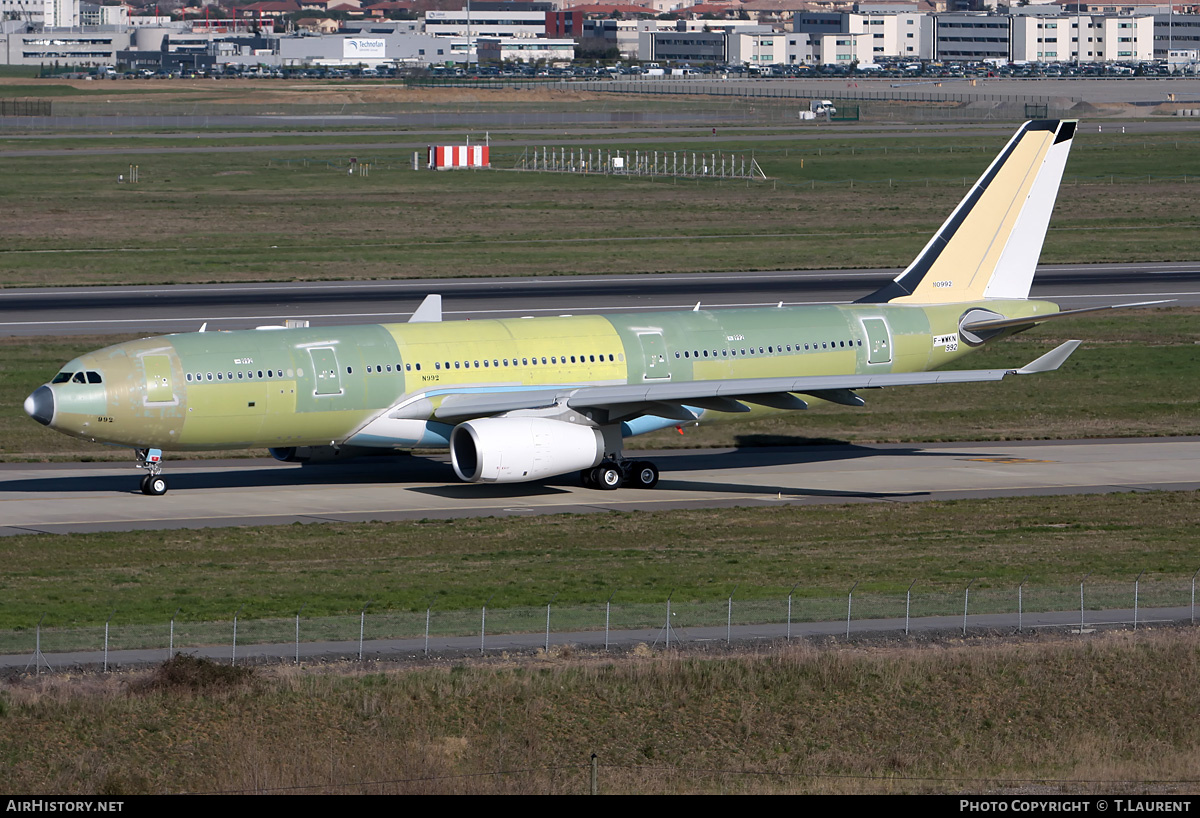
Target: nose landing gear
[153,484]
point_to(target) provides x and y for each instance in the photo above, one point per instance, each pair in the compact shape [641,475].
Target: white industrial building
[485,23]
[52,13]
[525,49]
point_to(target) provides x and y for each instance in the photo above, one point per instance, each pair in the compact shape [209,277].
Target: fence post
[729,614]
[548,604]
[302,607]
[171,637]
[789,615]
[362,626]
[483,623]
[669,617]
[608,617]
[1085,576]
[908,605]
[849,603]
[427,609]
[1021,603]
[233,656]
[106,621]
[1136,582]
[1194,596]
[966,600]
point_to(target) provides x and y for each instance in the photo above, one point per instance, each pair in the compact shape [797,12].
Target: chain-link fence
[978,604]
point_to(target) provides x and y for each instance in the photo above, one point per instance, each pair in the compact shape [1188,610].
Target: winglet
[430,311]
[1051,361]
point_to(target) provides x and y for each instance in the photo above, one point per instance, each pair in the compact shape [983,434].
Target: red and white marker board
[447,157]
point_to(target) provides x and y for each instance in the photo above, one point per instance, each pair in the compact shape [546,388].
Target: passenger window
[189,377]
[418,367]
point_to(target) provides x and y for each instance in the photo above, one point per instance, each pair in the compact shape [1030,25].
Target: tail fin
[989,247]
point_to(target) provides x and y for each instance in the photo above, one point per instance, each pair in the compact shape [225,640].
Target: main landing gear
[612,474]
[153,484]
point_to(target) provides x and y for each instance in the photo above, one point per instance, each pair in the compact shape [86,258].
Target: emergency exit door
[325,371]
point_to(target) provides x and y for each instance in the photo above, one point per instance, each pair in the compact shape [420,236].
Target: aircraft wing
[671,399]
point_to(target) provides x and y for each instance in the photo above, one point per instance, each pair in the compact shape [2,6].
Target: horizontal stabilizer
[1033,320]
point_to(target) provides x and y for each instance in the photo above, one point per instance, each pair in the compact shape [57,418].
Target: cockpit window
[94,377]
[62,377]
[78,378]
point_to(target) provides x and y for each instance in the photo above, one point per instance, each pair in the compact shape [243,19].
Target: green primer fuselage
[321,386]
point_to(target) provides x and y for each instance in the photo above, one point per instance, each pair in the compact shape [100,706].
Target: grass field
[200,217]
[455,565]
[1103,715]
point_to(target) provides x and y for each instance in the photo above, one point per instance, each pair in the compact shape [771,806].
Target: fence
[1079,606]
[25,107]
[691,164]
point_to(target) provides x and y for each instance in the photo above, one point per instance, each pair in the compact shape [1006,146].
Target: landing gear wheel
[588,478]
[608,476]
[645,474]
[154,485]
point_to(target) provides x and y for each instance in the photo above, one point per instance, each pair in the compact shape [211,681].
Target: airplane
[524,399]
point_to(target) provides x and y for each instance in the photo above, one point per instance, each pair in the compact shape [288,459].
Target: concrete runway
[155,310]
[61,498]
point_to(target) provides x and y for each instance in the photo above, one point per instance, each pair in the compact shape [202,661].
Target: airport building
[525,49]
[485,23]
[88,47]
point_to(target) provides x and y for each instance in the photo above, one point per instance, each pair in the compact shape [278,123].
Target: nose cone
[40,405]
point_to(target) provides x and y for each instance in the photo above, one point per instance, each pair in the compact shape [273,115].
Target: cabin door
[325,371]
[654,352]
[879,341]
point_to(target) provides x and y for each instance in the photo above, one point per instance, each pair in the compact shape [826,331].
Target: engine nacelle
[323,454]
[518,449]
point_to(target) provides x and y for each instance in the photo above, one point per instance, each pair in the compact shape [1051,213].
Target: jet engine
[518,449]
